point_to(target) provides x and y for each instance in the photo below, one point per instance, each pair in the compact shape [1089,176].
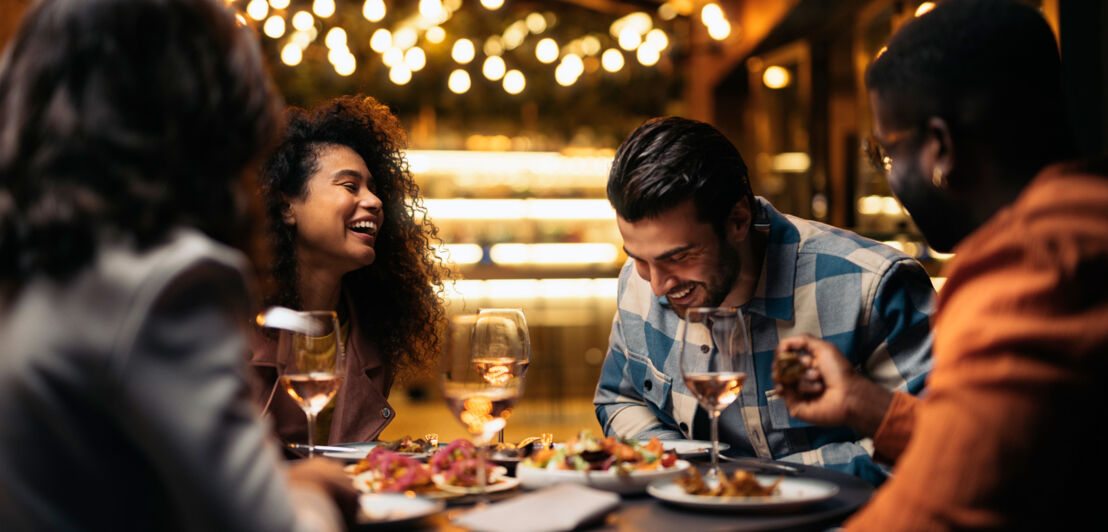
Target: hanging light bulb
[459,82]
[435,34]
[492,4]
[274,27]
[400,74]
[514,82]
[415,58]
[612,60]
[546,50]
[291,54]
[393,57]
[323,8]
[373,10]
[463,51]
[279,4]
[336,38]
[493,68]
[381,40]
[257,9]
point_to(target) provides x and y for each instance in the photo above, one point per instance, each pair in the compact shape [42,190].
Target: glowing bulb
[667,11]
[612,60]
[924,8]
[257,9]
[776,77]
[435,34]
[380,41]
[536,23]
[463,51]
[274,27]
[303,20]
[301,39]
[574,64]
[493,45]
[492,4]
[720,30]
[291,54]
[373,10]
[345,64]
[514,82]
[590,45]
[494,68]
[336,38]
[415,59]
[458,81]
[405,37]
[393,57]
[323,8]
[657,38]
[639,22]
[711,13]
[431,9]
[546,50]
[279,4]
[648,55]
[400,74]
[515,34]
[564,75]
[629,39]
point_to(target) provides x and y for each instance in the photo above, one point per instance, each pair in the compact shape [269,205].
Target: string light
[279,4]
[400,74]
[291,54]
[493,68]
[647,55]
[393,57]
[374,10]
[435,35]
[536,23]
[514,82]
[492,4]
[458,81]
[323,8]
[380,41]
[257,9]
[612,60]
[405,37]
[463,51]
[590,45]
[546,50]
[431,9]
[776,77]
[336,38]
[274,27]
[303,20]
[415,59]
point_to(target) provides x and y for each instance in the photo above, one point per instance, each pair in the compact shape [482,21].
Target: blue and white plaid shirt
[873,302]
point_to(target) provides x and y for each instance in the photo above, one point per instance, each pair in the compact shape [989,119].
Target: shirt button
[705,349]
[386,412]
[648,385]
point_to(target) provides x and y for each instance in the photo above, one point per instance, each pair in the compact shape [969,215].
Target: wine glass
[481,381]
[506,329]
[714,352]
[309,360]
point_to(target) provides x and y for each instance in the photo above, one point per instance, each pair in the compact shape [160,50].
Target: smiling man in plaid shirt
[696,236]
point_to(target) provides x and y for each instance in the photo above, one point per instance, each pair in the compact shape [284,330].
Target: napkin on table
[561,507]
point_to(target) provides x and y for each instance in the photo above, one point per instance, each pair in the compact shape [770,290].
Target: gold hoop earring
[937,178]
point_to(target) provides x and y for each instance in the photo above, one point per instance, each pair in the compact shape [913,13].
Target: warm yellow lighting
[494,45]
[924,8]
[612,60]
[392,57]
[514,35]
[345,64]
[776,77]
[415,59]
[590,45]
[431,9]
[492,4]
[241,20]
[435,35]
[790,162]
[629,39]
[460,253]
[514,82]
[400,74]
[381,40]
[463,51]
[279,4]
[536,23]
[458,82]
[889,205]
[274,27]
[711,14]
[573,63]
[323,8]
[336,38]
[546,50]
[301,39]
[657,38]
[373,10]
[667,11]
[940,256]
[565,76]
[591,253]
[529,209]
[291,54]
[521,169]
[303,21]
[938,283]
[529,289]
[881,52]
[257,9]
[494,68]
[405,37]
[720,30]
[639,21]
[869,205]
[647,55]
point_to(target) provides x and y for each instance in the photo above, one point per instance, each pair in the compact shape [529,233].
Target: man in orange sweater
[968,119]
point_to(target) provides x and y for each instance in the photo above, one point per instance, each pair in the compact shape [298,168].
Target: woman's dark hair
[397,298]
[669,160]
[989,68]
[127,117]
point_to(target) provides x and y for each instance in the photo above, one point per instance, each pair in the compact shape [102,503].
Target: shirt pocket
[653,385]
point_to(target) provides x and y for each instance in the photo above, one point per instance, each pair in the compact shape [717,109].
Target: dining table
[642,512]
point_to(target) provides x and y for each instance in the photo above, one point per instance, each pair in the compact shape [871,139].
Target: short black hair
[669,160]
[130,117]
[989,68]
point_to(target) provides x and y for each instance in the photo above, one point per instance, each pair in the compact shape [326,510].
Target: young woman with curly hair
[349,233]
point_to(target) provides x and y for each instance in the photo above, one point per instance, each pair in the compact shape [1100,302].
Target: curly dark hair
[108,129]
[407,273]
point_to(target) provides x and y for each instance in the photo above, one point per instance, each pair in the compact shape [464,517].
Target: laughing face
[338,215]
[682,258]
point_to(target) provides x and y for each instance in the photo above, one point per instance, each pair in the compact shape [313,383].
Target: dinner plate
[689,448]
[395,508]
[359,450]
[441,490]
[633,482]
[792,492]
[501,483]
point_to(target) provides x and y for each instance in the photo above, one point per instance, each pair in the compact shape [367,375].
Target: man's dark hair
[667,161]
[989,68]
[128,117]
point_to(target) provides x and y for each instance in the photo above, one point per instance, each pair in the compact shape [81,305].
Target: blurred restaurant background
[514,109]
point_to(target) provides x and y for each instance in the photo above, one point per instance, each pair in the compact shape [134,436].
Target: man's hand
[829,392]
[327,476]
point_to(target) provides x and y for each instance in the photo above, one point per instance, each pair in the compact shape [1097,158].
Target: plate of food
[395,508]
[689,448]
[742,490]
[451,472]
[419,448]
[622,466]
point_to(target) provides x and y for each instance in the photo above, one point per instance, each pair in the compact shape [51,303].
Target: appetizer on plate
[386,471]
[588,453]
[741,483]
[409,445]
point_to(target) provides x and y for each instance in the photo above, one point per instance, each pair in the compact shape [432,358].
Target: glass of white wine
[310,361]
[481,379]
[504,333]
[714,352]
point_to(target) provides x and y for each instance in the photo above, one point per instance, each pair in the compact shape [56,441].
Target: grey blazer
[123,399]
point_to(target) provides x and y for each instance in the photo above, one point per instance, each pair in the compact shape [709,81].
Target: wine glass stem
[311,434]
[482,452]
[715,444]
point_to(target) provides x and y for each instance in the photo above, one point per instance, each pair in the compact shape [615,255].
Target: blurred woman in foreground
[349,234]
[126,128]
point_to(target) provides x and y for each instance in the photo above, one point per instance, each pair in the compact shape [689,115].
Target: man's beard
[720,282]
